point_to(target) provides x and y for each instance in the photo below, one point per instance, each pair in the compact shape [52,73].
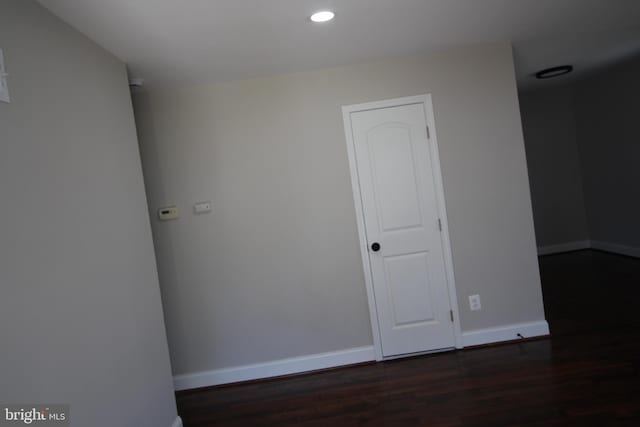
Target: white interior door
[402,227]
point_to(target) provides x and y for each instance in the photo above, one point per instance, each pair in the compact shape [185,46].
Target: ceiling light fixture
[549,73]
[323,16]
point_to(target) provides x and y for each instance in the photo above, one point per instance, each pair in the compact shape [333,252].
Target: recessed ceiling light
[554,72]
[323,16]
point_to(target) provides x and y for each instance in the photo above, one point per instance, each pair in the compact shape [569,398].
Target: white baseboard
[275,368]
[589,244]
[615,248]
[505,333]
[177,422]
[564,247]
[333,359]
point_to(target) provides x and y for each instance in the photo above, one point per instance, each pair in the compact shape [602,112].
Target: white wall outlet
[474,302]
[167,213]
[4,85]
[202,207]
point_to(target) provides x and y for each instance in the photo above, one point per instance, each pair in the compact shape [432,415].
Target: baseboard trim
[615,248]
[276,368]
[177,422]
[295,365]
[505,333]
[564,247]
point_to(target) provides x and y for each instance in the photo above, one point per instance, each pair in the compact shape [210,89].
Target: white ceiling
[185,41]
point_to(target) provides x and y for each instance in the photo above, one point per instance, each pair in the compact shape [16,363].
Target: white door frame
[442,212]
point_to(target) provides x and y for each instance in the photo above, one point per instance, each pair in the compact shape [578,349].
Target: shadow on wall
[582,150]
[155,187]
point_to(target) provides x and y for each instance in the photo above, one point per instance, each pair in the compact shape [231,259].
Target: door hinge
[451,314]
[439,224]
[428,133]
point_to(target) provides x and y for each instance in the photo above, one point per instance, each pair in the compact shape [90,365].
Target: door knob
[375,246]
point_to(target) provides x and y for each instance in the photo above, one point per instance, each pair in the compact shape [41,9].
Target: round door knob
[375,246]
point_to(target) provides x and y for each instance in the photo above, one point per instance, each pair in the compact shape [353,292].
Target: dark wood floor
[588,374]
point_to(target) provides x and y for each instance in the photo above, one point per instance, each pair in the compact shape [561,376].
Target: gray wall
[80,307]
[555,173]
[607,115]
[275,270]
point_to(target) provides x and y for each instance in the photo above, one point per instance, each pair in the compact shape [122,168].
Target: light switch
[202,207]
[4,85]
[167,213]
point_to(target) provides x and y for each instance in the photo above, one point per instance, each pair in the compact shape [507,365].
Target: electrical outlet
[474,302]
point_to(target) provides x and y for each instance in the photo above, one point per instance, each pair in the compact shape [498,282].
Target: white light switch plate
[4,86]
[202,207]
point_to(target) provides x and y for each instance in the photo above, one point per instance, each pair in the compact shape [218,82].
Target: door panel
[407,279]
[391,152]
[400,210]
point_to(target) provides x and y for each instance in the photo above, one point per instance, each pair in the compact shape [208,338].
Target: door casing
[442,212]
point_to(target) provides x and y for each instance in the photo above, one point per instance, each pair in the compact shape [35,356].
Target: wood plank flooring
[588,374]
